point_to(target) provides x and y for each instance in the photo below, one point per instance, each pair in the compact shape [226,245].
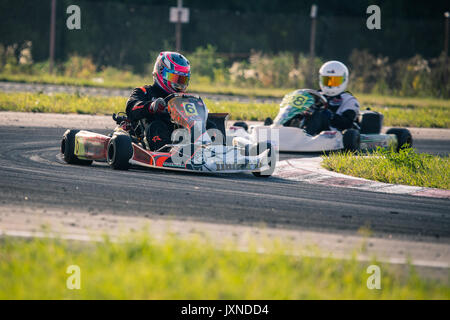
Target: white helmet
[333,78]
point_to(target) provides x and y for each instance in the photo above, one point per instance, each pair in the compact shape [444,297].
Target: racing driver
[343,107]
[171,73]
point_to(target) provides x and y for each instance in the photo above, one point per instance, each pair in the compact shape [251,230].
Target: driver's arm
[346,114]
[344,121]
[138,104]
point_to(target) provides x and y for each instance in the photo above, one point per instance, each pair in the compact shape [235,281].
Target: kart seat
[157,135]
[371,122]
[217,121]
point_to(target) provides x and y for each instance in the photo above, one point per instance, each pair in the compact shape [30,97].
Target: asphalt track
[33,174]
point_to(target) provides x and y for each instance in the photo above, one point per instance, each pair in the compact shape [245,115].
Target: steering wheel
[320,101]
[178,94]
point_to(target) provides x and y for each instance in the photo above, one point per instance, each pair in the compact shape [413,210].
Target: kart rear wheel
[68,149]
[119,152]
[241,124]
[352,140]
[261,147]
[404,137]
[268,121]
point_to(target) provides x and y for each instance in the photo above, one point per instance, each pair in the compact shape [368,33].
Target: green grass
[63,80]
[60,103]
[406,167]
[138,81]
[73,103]
[140,268]
[426,113]
[409,112]
[401,112]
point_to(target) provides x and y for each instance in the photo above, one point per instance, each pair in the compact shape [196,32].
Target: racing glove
[328,114]
[344,121]
[157,106]
[307,114]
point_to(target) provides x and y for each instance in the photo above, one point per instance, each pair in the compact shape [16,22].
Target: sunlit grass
[141,268]
[406,167]
[60,103]
[425,114]
[63,80]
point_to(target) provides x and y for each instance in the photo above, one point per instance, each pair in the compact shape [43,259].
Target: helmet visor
[180,79]
[331,81]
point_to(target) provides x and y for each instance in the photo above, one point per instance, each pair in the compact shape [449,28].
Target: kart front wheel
[119,152]
[351,140]
[68,149]
[404,137]
[261,147]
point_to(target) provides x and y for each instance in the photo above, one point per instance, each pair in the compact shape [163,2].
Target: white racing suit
[340,115]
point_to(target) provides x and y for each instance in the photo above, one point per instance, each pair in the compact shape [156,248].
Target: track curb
[310,170]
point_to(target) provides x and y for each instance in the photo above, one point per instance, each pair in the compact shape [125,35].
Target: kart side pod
[91,146]
[83,147]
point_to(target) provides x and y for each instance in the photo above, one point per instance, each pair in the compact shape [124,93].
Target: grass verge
[74,103]
[140,268]
[424,114]
[139,81]
[405,167]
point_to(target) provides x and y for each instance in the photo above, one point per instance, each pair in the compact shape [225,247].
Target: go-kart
[290,124]
[190,139]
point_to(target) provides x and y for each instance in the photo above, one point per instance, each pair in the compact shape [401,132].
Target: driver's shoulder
[142,90]
[348,96]
[349,102]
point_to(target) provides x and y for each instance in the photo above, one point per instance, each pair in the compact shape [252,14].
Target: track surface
[32,174]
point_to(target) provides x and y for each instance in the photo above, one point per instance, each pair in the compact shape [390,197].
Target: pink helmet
[172,72]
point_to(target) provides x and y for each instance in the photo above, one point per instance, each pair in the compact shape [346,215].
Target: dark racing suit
[157,128]
[341,113]
[138,104]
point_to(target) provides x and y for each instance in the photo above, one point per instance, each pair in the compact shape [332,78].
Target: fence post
[312,44]
[52,35]
[446,15]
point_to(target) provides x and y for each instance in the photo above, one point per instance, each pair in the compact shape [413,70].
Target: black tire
[268,121]
[261,147]
[119,152]
[403,135]
[352,140]
[68,149]
[241,124]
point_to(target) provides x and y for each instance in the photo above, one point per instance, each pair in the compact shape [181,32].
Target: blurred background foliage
[254,43]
